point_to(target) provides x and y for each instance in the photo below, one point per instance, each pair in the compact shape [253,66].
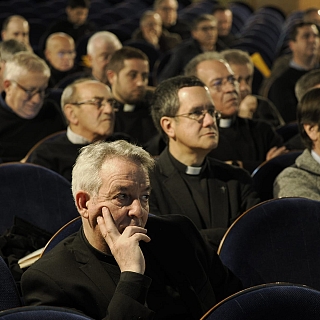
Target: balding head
[60,51]
[101,46]
[16,27]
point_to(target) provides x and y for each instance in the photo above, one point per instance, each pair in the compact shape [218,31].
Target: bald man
[60,54]
[16,27]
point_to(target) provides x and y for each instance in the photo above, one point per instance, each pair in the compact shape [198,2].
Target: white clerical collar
[225,123]
[315,156]
[128,107]
[193,171]
[76,138]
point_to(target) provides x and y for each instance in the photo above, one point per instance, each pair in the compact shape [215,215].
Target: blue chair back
[9,294]
[35,194]
[276,240]
[276,301]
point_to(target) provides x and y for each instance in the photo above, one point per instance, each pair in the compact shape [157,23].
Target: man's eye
[145,197]
[196,113]
[217,83]
[121,196]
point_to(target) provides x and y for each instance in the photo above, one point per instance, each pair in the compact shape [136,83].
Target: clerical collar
[225,123]
[315,156]
[128,107]
[189,170]
[76,138]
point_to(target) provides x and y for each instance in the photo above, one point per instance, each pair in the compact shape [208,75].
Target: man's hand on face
[247,107]
[124,247]
[151,36]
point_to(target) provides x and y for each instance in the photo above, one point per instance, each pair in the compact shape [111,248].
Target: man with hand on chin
[110,269]
[185,181]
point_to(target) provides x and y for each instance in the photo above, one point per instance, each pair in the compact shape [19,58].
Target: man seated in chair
[100,48]
[251,106]
[124,263]
[60,54]
[185,181]
[128,72]
[243,142]
[88,107]
[302,179]
[26,116]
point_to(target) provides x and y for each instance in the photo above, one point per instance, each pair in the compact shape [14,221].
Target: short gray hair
[105,36]
[191,68]
[237,56]
[86,171]
[25,62]
[306,82]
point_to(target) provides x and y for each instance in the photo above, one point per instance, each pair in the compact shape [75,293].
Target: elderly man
[251,106]
[110,269]
[209,192]
[302,179]
[16,27]
[60,54]
[128,72]
[25,116]
[204,38]
[100,48]
[88,107]
[7,49]
[243,142]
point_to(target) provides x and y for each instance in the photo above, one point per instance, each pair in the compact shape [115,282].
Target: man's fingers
[107,225]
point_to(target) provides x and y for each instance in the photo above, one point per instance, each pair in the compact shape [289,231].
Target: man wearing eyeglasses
[185,181]
[204,35]
[60,54]
[243,142]
[88,107]
[26,117]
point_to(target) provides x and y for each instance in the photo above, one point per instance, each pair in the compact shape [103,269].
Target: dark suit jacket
[71,276]
[230,192]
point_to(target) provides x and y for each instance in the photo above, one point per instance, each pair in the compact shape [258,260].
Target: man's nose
[136,209]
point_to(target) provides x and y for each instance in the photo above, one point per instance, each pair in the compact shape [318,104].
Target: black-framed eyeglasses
[219,83]
[198,115]
[30,93]
[98,103]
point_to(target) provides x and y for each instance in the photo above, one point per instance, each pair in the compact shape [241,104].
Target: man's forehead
[308,29]
[196,93]
[136,65]
[215,68]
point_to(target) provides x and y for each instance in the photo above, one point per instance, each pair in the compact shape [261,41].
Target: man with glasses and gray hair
[185,181]
[26,117]
[243,142]
[88,108]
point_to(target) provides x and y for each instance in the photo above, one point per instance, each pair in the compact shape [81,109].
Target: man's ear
[312,131]
[111,76]
[82,198]
[291,44]
[168,126]
[7,85]
[70,114]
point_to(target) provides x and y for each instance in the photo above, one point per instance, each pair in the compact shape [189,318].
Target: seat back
[65,231]
[276,240]
[276,301]
[42,312]
[264,176]
[35,194]
[9,294]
